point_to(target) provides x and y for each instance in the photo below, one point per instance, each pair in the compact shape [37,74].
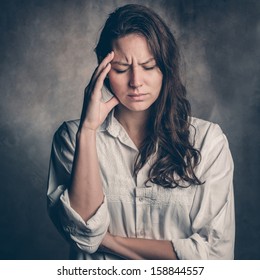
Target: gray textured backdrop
[46,59]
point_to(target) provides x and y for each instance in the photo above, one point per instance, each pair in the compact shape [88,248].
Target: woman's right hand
[94,111]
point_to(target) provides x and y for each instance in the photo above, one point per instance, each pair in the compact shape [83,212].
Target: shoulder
[67,132]
[216,157]
[204,133]
[69,126]
[204,127]
[63,145]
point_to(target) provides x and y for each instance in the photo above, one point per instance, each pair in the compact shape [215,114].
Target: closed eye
[149,68]
[120,70]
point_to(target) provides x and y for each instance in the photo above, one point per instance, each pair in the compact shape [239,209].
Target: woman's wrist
[85,133]
[120,245]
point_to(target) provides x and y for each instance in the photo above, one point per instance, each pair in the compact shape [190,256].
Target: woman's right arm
[86,192]
[75,190]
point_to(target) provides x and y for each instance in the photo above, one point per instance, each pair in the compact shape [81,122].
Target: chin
[137,107]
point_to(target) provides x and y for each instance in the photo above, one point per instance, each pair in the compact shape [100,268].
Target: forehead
[132,47]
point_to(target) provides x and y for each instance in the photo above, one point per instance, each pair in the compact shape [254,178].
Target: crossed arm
[138,248]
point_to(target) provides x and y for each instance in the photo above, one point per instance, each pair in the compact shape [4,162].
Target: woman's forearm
[138,248]
[85,192]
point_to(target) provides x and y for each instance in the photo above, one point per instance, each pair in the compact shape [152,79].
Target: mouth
[137,97]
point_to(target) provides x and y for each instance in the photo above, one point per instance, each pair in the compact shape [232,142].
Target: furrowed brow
[148,61]
[120,63]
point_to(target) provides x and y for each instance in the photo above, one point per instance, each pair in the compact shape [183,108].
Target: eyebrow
[126,64]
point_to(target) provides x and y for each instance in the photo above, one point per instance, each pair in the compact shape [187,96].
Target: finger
[109,57]
[97,72]
[100,80]
[102,66]
[92,89]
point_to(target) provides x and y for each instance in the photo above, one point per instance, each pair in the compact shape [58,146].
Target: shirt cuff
[192,248]
[87,235]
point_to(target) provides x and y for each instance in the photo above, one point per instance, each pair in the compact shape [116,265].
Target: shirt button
[141,233]
[141,199]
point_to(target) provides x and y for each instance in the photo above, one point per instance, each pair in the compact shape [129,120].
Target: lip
[137,97]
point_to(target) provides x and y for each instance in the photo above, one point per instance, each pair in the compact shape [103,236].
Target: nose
[135,79]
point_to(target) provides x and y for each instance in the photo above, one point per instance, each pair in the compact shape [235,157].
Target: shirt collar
[115,129]
[111,125]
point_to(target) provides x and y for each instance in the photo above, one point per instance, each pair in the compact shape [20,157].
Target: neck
[135,123]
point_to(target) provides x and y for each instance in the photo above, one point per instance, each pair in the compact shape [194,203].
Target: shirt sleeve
[212,214]
[87,236]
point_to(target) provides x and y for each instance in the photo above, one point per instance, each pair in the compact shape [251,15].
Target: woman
[137,177]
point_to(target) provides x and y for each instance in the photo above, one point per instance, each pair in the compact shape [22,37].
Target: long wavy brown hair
[169,128]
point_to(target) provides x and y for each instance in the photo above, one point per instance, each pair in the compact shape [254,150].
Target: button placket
[140,208]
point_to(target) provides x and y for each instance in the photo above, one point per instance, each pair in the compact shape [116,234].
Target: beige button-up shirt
[198,220]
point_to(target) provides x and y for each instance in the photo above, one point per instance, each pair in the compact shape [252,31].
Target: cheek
[116,83]
[158,77]
[156,82]
[112,80]
[154,78]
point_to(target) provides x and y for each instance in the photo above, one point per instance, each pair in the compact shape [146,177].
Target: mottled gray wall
[46,59]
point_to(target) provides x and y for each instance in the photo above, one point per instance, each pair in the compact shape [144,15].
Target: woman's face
[134,77]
